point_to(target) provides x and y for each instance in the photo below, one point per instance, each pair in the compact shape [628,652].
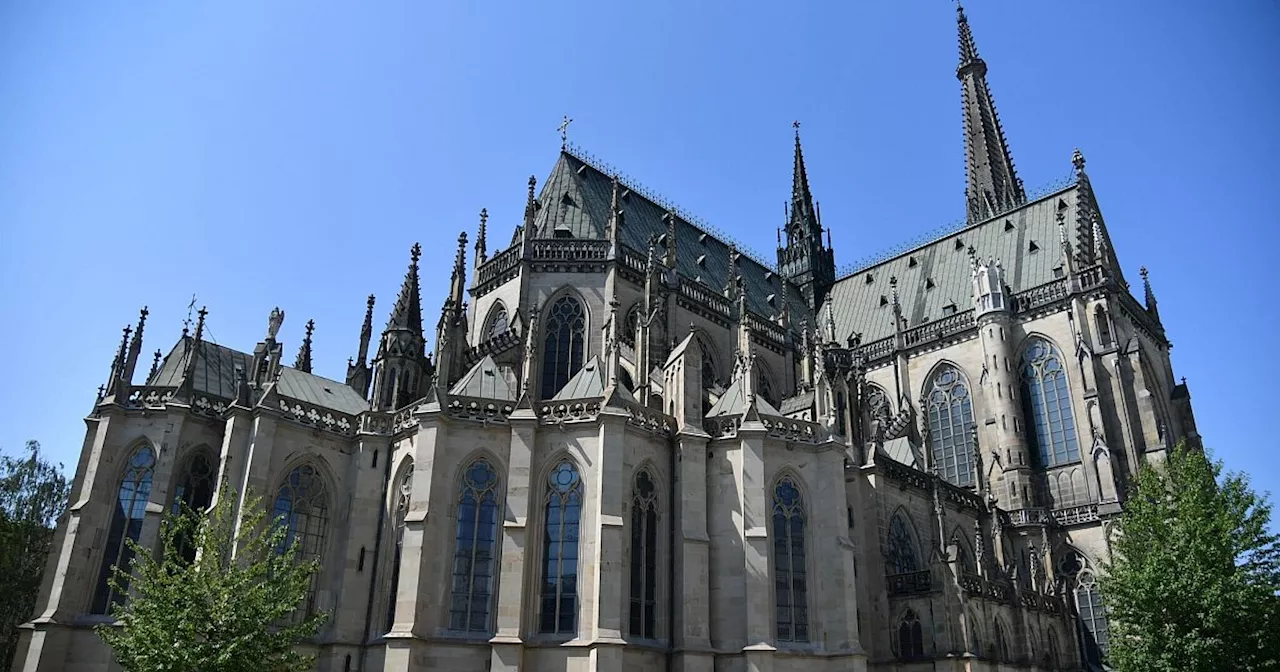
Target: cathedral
[632,445]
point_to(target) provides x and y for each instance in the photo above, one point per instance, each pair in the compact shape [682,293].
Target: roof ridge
[657,199]
[1047,190]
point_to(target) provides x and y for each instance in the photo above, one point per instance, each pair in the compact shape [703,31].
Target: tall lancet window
[497,321]
[910,637]
[402,495]
[1047,403]
[644,556]
[791,592]
[126,524]
[902,546]
[475,550]
[194,491]
[950,417]
[565,342]
[302,507]
[558,612]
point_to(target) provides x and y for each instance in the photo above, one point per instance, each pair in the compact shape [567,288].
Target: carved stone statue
[273,323]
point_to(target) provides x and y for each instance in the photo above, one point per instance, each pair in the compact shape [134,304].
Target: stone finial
[155,366]
[415,253]
[1077,160]
[303,361]
[481,244]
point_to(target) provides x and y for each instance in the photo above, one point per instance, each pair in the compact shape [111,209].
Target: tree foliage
[33,493]
[235,607]
[1196,572]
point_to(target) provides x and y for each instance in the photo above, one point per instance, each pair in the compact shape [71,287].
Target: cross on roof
[564,131]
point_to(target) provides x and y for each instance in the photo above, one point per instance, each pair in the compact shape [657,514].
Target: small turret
[135,349]
[527,232]
[988,286]
[358,370]
[400,364]
[802,257]
[451,330]
[117,364]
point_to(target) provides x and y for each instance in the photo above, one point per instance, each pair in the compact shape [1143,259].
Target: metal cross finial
[564,131]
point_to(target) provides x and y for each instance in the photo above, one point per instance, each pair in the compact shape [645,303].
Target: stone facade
[634,446]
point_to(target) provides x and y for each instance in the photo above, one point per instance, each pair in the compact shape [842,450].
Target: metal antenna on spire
[564,131]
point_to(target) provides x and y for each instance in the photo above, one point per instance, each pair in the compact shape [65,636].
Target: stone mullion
[513,584]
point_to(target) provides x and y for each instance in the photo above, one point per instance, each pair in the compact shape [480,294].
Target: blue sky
[289,153]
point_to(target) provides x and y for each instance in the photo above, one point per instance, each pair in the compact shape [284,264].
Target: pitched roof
[576,197]
[215,374]
[936,275]
[486,381]
[734,402]
[588,382]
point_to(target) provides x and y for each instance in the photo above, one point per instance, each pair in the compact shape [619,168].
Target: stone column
[604,598]
[162,475]
[690,587]
[755,522]
[507,643]
[257,464]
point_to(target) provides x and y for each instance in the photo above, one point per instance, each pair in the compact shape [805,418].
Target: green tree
[1196,572]
[33,493]
[234,608]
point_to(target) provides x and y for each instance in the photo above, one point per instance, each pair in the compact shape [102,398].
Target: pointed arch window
[877,404]
[841,426]
[765,389]
[558,612]
[902,546]
[1052,657]
[791,594]
[630,325]
[475,553]
[564,345]
[644,556]
[1047,404]
[302,507]
[403,494]
[950,420]
[498,319]
[126,525]
[962,553]
[910,637]
[1093,617]
[1002,642]
[195,492]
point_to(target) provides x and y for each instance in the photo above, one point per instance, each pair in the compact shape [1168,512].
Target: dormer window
[870,279]
[959,244]
[949,309]
[883,301]
[912,263]
[1008,226]
[1033,248]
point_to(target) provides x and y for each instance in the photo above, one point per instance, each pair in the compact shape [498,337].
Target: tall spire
[802,258]
[1148,295]
[358,369]
[407,313]
[458,281]
[135,349]
[803,214]
[366,330]
[991,186]
[482,253]
[303,362]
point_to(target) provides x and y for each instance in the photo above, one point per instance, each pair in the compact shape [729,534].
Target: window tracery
[902,546]
[789,562]
[403,495]
[498,321]
[1047,401]
[558,611]
[195,492]
[644,558]
[950,419]
[302,507]
[126,523]
[564,344]
[475,549]
[910,636]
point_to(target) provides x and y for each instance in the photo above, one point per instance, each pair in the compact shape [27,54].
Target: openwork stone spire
[992,186]
[303,361]
[407,313]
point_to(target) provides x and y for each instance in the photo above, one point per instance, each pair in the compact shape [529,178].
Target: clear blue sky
[289,153]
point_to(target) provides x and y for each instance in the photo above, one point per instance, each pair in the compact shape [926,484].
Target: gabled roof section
[587,383]
[734,402]
[486,381]
[575,201]
[901,451]
[215,368]
[944,263]
[320,391]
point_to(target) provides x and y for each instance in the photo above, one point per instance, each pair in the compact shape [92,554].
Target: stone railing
[502,267]
[494,345]
[148,397]
[938,329]
[795,431]
[1076,515]
[569,250]
[1041,295]
[1029,516]
[961,497]
[972,584]
[910,583]
[656,422]
[485,411]
[632,261]
[404,418]
[317,417]
[1092,277]
[703,296]
[903,474]
[213,407]
[878,349]
[374,422]
[570,410]
[722,427]
[766,330]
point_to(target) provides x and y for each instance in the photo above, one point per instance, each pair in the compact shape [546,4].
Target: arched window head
[841,403]
[630,324]
[764,389]
[1052,657]
[475,553]
[1095,631]
[950,419]
[1047,403]
[790,566]
[962,553]
[558,611]
[910,637]
[902,546]
[126,525]
[194,491]
[877,403]
[1103,322]
[564,344]
[402,495]
[644,556]
[302,507]
[498,320]
[1002,642]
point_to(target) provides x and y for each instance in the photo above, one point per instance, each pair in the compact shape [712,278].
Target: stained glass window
[765,389]
[126,523]
[902,546]
[564,345]
[302,507]
[644,556]
[403,495]
[1047,403]
[475,553]
[195,491]
[558,613]
[789,563]
[910,636]
[1093,617]
[950,419]
[630,325]
[497,321]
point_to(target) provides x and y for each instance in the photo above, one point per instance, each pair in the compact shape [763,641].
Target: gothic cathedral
[634,446]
